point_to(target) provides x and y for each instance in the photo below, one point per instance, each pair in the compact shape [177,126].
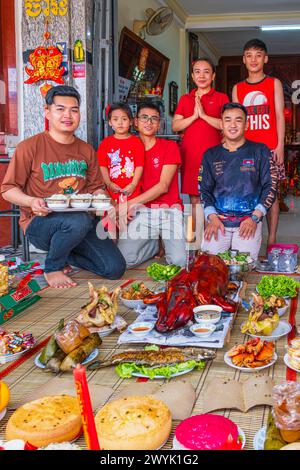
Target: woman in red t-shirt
[198,116]
[121,156]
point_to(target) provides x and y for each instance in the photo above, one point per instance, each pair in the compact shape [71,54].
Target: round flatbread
[45,421]
[133,423]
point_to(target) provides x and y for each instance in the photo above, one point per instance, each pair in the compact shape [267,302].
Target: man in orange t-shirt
[57,162]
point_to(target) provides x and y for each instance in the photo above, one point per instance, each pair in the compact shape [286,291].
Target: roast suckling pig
[205,283]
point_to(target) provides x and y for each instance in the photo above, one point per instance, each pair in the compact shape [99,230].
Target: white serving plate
[287,363]
[229,362]
[178,446]
[3,413]
[72,209]
[105,331]
[103,206]
[282,329]
[259,439]
[161,377]
[92,356]
[13,357]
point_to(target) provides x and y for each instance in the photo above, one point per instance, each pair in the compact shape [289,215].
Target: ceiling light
[281,27]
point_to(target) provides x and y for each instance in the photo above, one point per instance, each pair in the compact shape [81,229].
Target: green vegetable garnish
[151,347]
[160,272]
[281,286]
[126,370]
[136,286]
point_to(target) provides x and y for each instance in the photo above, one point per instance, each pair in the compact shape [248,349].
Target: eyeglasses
[145,118]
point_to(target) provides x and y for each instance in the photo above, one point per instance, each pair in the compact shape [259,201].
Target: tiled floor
[289,224]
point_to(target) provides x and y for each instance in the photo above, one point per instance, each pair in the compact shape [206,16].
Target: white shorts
[232,240]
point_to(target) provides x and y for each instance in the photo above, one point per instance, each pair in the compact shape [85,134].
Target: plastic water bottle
[286,261]
[273,259]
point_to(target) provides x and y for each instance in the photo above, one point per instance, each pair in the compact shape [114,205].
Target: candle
[84,399]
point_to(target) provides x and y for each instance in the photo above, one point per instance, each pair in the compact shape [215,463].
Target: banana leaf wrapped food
[81,353]
[51,347]
[55,362]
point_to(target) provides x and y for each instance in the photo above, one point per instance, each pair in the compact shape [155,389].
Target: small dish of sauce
[202,330]
[141,328]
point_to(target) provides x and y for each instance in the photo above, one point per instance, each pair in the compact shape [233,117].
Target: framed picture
[173,97]
[140,62]
[193,55]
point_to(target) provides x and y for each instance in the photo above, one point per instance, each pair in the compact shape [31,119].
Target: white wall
[170,43]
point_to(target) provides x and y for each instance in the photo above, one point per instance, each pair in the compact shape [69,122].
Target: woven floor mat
[42,318]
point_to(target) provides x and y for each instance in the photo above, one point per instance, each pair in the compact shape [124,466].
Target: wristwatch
[255,218]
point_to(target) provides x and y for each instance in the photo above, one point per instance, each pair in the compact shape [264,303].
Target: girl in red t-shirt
[198,116]
[121,156]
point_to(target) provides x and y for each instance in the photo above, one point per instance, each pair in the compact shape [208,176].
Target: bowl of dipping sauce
[202,331]
[209,314]
[141,328]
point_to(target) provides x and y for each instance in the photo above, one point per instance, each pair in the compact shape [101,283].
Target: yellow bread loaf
[133,423]
[45,421]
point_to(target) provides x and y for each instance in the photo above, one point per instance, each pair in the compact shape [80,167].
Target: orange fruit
[4,395]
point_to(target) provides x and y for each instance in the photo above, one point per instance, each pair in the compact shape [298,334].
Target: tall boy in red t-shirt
[264,100]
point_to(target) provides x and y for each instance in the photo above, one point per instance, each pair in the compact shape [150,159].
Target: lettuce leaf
[126,370]
[281,286]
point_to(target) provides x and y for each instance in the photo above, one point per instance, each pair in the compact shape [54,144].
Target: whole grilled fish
[162,357]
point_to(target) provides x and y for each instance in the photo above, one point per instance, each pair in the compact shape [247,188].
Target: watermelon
[208,432]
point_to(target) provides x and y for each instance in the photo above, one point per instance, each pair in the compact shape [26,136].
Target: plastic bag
[71,336]
[286,398]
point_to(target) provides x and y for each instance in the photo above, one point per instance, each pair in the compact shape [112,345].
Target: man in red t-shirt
[158,211]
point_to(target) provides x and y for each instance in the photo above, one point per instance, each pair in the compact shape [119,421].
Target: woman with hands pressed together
[198,116]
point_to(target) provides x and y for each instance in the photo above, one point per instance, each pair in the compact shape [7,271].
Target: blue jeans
[70,238]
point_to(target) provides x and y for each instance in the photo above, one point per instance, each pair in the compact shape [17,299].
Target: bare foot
[58,280]
[67,269]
